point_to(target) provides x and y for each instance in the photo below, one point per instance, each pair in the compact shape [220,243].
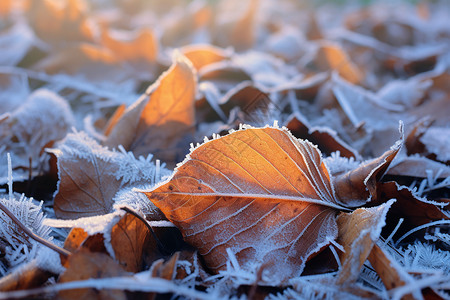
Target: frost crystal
[15,245]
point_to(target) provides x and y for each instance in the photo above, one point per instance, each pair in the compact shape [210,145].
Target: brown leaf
[417,166]
[86,265]
[414,210]
[358,232]
[128,239]
[160,121]
[86,184]
[261,193]
[166,270]
[355,186]
[326,139]
[388,269]
[114,119]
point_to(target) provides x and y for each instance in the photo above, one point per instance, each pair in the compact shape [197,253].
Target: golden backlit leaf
[141,45]
[128,239]
[60,21]
[333,57]
[358,231]
[202,55]
[260,193]
[162,119]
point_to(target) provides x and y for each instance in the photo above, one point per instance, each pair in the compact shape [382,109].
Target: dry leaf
[415,210]
[326,139]
[261,193]
[358,232]
[140,45]
[386,267]
[203,55]
[333,57]
[160,121]
[86,185]
[355,186]
[28,277]
[128,239]
[114,119]
[85,265]
[68,20]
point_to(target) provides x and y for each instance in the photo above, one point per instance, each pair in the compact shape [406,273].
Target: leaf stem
[32,235]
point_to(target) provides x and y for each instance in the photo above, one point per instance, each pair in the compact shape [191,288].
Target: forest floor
[224,149]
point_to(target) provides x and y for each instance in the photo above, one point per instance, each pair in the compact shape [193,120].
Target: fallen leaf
[333,57]
[87,182]
[26,277]
[114,119]
[325,138]
[388,269]
[141,45]
[166,270]
[86,265]
[358,232]
[354,187]
[260,193]
[69,21]
[128,239]
[203,55]
[160,121]
[415,210]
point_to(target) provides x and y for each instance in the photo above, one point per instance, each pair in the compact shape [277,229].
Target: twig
[34,236]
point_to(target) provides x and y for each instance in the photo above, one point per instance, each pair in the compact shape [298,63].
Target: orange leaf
[202,55]
[358,231]
[128,238]
[130,45]
[85,265]
[160,120]
[260,193]
[334,57]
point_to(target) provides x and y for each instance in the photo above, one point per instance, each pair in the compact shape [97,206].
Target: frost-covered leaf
[203,55]
[90,176]
[355,186]
[160,122]
[358,232]
[260,193]
[138,46]
[324,137]
[128,239]
[415,209]
[44,117]
[334,57]
[85,265]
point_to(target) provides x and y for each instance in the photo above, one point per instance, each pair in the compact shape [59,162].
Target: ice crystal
[15,245]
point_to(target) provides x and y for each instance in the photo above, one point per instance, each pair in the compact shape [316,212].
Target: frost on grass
[16,247]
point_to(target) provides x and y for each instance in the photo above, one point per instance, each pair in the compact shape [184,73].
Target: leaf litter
[327,202]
